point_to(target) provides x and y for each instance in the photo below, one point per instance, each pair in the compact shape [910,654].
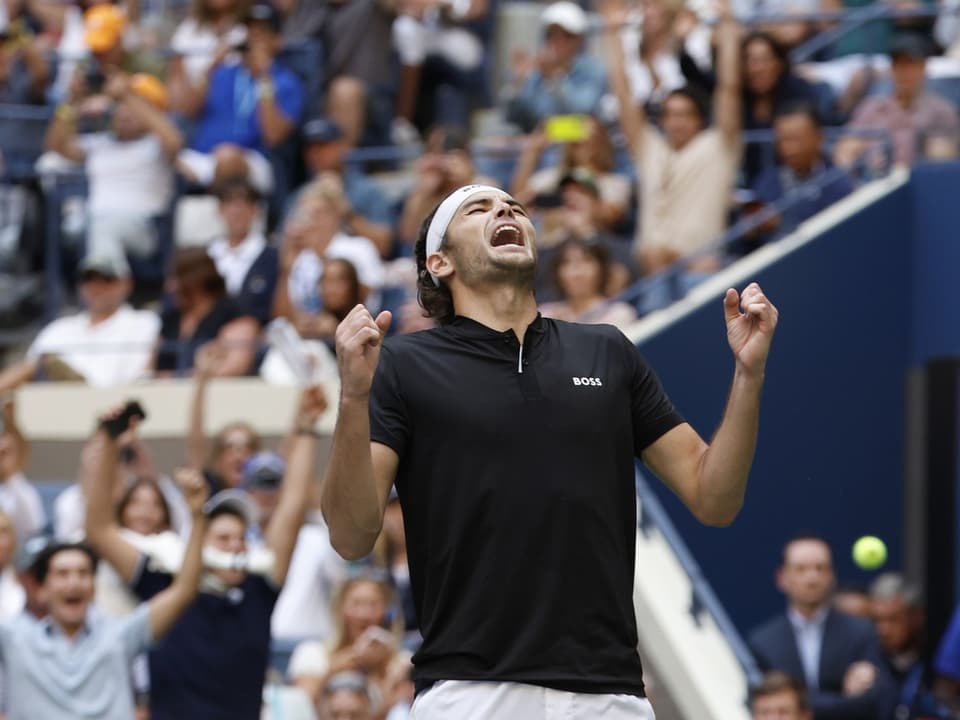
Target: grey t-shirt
[356,34]
[48,675]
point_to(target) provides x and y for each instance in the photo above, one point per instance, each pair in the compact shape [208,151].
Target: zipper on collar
[520,361]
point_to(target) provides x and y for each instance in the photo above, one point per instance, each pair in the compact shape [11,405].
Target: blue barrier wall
[830,459]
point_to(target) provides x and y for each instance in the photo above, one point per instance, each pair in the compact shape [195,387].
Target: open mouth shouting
[508,233]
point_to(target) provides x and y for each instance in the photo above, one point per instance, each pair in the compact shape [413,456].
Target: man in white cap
[561,79]
[511,439]
[107,344]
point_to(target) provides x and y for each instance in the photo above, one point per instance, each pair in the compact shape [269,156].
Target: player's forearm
[349,498]
[725,465]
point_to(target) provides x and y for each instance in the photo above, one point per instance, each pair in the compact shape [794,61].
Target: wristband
[307,431]
[65,112]
[265,90]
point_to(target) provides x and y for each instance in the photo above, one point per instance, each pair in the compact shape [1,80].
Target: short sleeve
[653,413]
[389,420]
[147,583]
[947,662]
[289,95]
[135,631]
[310,659]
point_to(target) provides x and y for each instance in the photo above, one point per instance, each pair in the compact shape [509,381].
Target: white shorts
[202,166]
[469,700]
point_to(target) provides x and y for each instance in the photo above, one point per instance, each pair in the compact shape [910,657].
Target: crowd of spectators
[223,219]
[233,125]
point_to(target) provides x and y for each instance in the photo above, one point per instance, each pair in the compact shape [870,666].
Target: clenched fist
[359,338]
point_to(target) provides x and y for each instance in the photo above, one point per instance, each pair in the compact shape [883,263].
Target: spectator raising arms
[24,70]
[213,663]
[108,344]
[46,676]
[12,597]
[562,78]
[689,165]
[249,107]
[129,168]
[232,446]
[203,312]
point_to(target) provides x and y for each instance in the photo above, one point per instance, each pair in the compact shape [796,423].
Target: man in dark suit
[835,656]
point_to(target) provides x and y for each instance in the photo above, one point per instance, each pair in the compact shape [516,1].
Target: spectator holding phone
[129,166]
[585,147]
[45,674]
[211,32]
[248,108]
[213,662]
[367,628]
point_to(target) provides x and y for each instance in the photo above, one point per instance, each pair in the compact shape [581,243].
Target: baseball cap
[320,130]
[108,265]
[567,15]
[103,27]
[263,471]
[584,178]
[910,44]
[30,551]
[150,89]
[236,501]
[264,12]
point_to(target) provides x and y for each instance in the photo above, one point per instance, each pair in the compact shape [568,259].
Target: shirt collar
[51,629]
[817,620]
[251,247]
[466,327]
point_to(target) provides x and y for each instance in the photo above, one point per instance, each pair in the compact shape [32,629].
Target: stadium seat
[22,132]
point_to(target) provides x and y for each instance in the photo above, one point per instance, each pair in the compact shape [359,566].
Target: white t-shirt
[12,596]
[303,608]
[113,352]
[131,177]
[198,45]
[233,264]
[303,284]
[20,500]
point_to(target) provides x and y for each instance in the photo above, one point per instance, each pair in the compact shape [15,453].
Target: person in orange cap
[129,166]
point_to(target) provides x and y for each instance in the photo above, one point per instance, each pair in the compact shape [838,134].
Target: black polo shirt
[516,479]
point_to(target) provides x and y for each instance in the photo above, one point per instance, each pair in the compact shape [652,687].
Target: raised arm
[275,125]
[205,365]
[156,120]
[359,472]
[727,101]
[281,535]
[167,606]
[62,134]
[711,479]
[98,478]
[632,117]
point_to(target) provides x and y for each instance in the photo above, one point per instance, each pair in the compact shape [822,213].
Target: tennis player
[511,439]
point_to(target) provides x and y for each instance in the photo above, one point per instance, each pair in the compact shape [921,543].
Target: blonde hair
[338,638]
[327,191]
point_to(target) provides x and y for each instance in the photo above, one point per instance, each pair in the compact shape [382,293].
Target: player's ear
[439,265]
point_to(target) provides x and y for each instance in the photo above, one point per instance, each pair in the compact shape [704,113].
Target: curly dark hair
[435,299]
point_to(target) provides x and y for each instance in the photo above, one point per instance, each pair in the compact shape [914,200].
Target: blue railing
[702,598]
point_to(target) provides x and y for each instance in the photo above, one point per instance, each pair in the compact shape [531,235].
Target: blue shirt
[230,113]
[49,675]
[578,92]
[947,662]
[809,197]
[212,663]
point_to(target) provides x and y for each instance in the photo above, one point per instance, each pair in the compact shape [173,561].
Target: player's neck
[504,307]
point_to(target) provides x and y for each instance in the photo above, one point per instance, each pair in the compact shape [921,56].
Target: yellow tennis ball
[869,552]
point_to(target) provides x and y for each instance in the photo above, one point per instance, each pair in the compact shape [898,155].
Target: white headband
[445,212]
